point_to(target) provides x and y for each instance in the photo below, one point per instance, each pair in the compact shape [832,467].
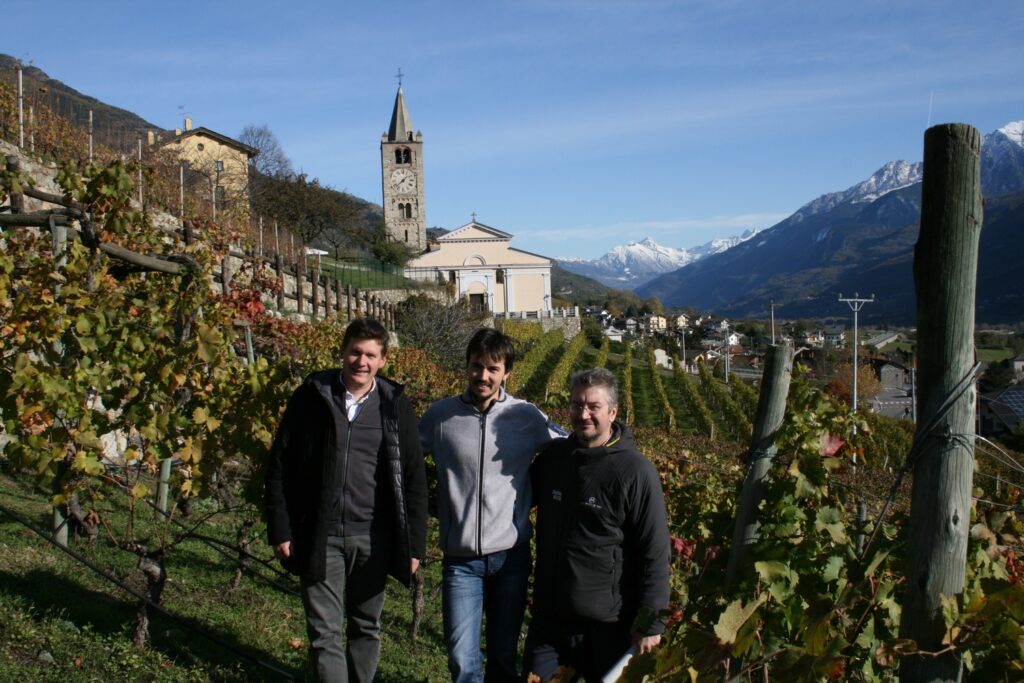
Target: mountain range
[631,265]
[862,240]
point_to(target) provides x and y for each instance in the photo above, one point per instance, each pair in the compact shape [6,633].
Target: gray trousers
[353,593]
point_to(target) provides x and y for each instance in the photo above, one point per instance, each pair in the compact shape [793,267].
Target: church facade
[479,263]
[475,261]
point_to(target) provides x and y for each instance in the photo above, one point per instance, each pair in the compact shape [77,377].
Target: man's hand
[645,644]
[414,564]
[283,551]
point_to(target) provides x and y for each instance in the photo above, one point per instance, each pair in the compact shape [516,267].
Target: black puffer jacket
[302,459]
[603,547]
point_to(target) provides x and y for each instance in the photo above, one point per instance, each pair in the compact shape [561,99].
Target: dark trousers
[353,593]
[589,647]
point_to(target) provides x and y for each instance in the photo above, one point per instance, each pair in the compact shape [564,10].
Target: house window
[407,236]
[398,156]
[499,276]
[408,210]
[451,276]
[406,156]
[478,303]
[200,146]
[401,210]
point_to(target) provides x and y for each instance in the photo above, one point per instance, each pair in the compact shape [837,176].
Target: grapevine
[602,354]
[556,388]
[715,390]
[694,402]
[525,368]
[626,400]
[659,388]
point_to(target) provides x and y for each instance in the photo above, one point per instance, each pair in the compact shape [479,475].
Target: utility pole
[856,304]
[728,352]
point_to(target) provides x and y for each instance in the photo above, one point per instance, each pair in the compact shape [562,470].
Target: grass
[49,603]
[994,355]
[375,275]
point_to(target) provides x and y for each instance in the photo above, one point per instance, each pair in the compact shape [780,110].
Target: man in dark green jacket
[345,495]
[603,551]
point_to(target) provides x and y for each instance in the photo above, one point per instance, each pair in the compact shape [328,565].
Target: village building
[653,323]
[475,261]
[835,336]
[479,263]
[222,161]
[1002,412]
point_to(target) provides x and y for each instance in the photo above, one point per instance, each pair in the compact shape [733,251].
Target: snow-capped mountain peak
[894,175]
[1014,131]
[630,265]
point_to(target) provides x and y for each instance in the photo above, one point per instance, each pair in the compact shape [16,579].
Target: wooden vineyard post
[945,279]
[17,199]
[300,284]
[163,485]
[59,236]
[279,269]
[771,409]
[314,279]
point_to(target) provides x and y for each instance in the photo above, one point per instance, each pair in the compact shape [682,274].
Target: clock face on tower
[403,180]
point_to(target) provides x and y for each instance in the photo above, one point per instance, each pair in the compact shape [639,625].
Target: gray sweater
[483,462]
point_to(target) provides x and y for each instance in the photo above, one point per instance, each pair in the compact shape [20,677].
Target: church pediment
[475,231]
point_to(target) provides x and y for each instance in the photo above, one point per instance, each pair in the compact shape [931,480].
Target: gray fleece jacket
[483,463]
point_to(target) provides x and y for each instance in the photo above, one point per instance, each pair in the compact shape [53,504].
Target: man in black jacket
[602,572]
[346,495]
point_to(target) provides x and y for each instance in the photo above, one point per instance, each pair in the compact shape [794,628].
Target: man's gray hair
[597,377]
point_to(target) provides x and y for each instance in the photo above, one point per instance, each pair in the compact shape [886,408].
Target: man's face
[486,374]
[592,415]
[360,361]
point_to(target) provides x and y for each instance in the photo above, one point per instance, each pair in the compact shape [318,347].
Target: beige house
[223,161]
[480,264]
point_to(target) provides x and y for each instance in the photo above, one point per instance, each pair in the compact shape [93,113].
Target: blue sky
[576,125]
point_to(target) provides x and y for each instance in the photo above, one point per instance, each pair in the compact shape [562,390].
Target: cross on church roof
[474,216]
[399,77]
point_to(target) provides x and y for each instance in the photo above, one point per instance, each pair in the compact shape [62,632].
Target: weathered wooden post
[348,301]
[164,485]
[17,198]
[337,296]
[300,284]
[314,279]
[771,408]
[225,274]
[945,279]
[279,269]
[59,237]
[328,308]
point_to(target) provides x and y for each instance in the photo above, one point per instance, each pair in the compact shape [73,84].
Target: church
[476,261]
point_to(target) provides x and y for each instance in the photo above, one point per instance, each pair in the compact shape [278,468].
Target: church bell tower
[401,163]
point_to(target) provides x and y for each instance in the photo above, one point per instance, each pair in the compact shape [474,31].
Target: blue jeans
[495,584]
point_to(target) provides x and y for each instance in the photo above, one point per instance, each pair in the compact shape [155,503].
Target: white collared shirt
[352,404]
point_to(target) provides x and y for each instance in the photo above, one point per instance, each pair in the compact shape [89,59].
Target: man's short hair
[490,343]
[597,377]
[366,328]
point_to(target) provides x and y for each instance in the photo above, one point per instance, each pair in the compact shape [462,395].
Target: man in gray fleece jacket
[483,442]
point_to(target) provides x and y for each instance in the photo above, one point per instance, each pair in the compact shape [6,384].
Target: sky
[575,125]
